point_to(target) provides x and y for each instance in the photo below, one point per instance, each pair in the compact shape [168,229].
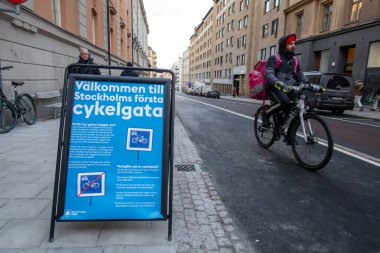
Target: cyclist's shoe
[265,119]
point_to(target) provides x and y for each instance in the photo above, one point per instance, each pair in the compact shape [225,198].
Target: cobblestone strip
[201,221]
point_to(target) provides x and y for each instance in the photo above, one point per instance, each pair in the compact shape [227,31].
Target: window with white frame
[238,60]
[240,24]
[356,10]
[276,3]
[246,21]
[266,6]
[272,50]
[244,41]
[246,3]
[241,5]
[265,30]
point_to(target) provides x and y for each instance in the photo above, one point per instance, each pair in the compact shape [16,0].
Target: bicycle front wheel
[264,136]
[27,109]
[8,116]
[314,152]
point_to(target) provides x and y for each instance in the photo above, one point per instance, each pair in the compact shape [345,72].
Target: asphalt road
[282,207]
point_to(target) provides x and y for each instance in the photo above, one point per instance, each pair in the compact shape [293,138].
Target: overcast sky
[171,23]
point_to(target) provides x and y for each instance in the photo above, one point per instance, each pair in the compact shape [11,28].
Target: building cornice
[296,6]
[344,30]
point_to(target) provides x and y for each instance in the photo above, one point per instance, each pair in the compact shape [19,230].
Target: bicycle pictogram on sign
[91,184]
[139,139]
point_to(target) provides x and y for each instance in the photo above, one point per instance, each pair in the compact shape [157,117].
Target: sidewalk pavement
[367,113]
[27,168]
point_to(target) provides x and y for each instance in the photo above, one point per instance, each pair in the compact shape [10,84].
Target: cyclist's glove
[281,87]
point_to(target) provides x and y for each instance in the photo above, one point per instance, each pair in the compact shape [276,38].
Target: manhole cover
[185,167]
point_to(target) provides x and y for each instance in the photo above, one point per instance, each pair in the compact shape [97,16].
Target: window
[299,25]
[276,3]
[327,17]
[243,59]
[263,54]
[246,3]
[275,27]
[356,10]
[266,6]
[238,42]
[374,55]
[240,24]
[238,60]
[246,21]
[241,6]
[232,25]
[272,50]
[244,42]
[265,30]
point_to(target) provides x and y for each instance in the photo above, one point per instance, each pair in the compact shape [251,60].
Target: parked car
[204,90]
[190,91]
[198,86]
[212,93]
[339,95]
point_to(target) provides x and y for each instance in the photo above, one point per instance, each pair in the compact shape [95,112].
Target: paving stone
[24,233]
[223,242]
[23,208]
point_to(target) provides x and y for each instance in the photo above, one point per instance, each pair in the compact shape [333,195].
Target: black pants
[281,101]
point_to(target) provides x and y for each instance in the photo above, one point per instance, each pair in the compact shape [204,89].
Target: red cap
[290,39]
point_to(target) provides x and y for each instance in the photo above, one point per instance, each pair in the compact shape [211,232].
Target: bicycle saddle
[17,83]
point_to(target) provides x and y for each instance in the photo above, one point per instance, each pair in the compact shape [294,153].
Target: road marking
[350,121]
[220,108]
[350,152]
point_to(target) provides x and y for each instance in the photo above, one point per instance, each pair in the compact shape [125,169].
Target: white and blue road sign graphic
[139,139]
[91,184]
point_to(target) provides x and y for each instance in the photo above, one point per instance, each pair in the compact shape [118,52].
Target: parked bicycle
[304,130]
[23,107]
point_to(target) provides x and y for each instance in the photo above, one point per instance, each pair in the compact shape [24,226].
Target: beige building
[269,28]
[186,70]
[338,36]
[201,50]
[152,60]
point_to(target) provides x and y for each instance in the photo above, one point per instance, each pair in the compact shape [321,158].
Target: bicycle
[307,133]
[23,107]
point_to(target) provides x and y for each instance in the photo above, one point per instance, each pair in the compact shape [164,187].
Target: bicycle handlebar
[7,68]
[307,86]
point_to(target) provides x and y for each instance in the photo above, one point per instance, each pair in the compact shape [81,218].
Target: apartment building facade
[200,50]
[341,36]
[44,38]
[231,35]
[152,60]
[186,83]
[338,36]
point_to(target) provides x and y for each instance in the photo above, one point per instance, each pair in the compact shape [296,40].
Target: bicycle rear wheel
[264,136]
[27,109]
[8,116]
[316,151]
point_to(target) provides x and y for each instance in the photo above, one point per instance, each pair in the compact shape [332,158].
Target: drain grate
[185,167]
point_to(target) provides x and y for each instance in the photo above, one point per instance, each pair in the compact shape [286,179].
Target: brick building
[44,38]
